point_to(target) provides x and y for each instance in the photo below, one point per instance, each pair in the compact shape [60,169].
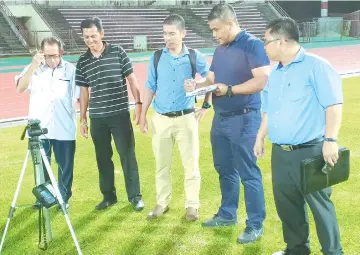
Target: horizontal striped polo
[106,77]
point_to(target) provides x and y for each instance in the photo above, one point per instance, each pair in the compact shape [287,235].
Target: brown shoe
[157,212]
[192,214]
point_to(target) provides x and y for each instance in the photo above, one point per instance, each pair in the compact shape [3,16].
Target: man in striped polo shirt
[104,68]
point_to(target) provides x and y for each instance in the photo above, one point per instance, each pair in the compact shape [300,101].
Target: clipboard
[201,91]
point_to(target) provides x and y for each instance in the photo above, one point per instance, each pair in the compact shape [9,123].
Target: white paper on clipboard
[201,91]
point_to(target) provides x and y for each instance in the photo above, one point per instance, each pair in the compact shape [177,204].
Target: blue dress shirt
[296,97]
[172,71]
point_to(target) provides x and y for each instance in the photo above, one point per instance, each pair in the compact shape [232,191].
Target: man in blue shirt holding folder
[175,119]
[240,70]
[302,105]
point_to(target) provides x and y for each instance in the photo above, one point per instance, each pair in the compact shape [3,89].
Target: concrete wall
[33,23]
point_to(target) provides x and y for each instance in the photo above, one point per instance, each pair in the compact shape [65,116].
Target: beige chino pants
[184,131]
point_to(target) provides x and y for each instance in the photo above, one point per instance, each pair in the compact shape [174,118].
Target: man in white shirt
[51,82]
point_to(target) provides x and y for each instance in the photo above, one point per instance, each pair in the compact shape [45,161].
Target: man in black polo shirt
[104,68]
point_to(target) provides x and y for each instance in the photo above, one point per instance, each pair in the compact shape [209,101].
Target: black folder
[314,176]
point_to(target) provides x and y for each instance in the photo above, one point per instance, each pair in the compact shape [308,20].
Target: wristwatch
[206,105]
[138,103]
[327,139]
[229,92]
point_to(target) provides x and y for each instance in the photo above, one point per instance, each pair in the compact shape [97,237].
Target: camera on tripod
[34,129]
[46,192]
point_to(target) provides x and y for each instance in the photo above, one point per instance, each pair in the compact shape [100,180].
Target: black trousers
[291,204]
[120,128]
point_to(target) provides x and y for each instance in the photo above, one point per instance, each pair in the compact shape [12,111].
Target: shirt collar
[298,58]
[240,35]
[184,50]
[60,65]
[237,37]
[106,50]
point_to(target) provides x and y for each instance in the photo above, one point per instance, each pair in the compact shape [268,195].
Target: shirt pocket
[61,88]
[298,92]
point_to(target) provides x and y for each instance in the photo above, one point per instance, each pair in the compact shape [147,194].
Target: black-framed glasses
[270,41]
[48,57]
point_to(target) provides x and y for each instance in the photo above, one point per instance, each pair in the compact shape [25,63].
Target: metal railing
[47,19]
[354,19]
[353,16]
[278,8]
[93,3]
[123,3]
[329,31]
[14,24]
[9,44]
[35,38]
[67,38]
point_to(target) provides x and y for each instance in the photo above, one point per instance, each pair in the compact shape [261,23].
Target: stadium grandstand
[137,25]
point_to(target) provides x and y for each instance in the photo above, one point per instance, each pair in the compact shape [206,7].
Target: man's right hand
[84,129]
[189,85]
[259,148]
[143,124]
[37,60]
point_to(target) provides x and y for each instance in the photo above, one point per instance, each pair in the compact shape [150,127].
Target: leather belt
[178,113]
[289,147]
[234,113]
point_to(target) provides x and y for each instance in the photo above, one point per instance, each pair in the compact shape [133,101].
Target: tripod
[38,156]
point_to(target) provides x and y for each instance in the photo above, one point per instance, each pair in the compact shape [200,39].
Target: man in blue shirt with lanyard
[302,105]
[240,70]
[175,119]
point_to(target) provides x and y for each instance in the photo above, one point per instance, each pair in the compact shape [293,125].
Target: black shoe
[105,204]
[138,204]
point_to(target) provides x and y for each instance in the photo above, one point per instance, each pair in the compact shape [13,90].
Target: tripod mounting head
[34,129]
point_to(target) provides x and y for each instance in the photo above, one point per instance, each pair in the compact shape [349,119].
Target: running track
[345,59]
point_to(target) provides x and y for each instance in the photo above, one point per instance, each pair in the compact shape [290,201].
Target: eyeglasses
[270,41]
[48,57]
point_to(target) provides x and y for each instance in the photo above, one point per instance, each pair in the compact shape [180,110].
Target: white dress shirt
[52,99]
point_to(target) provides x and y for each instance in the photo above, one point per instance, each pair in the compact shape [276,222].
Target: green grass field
[119,230]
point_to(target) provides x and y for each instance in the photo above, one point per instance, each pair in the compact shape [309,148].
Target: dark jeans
[233,140]
[291,204]
[120,127]
[64,152]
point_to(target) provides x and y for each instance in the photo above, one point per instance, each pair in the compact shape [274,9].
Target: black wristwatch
[229,92]
[138,103]
[327,139]
[206,105]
